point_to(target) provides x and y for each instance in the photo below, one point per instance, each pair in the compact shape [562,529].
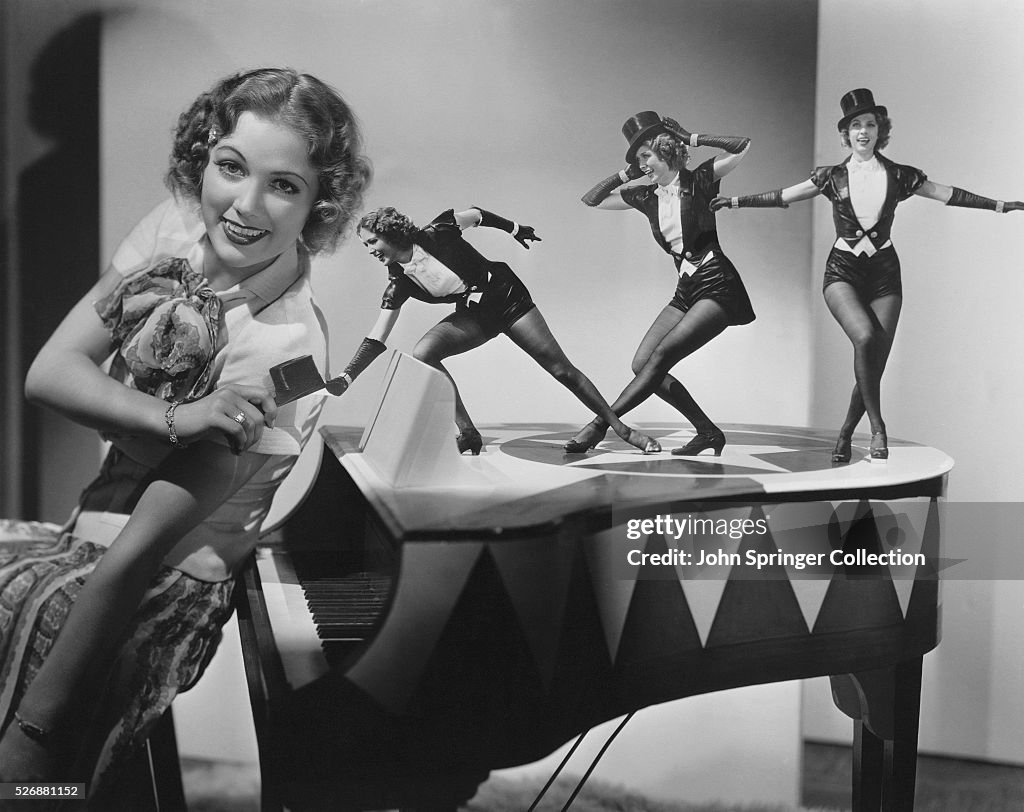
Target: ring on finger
[239,418]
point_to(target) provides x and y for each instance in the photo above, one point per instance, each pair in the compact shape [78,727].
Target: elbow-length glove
[765,200]
[603,188]
[520,233]
[367,351]
[733,144]
[969,200]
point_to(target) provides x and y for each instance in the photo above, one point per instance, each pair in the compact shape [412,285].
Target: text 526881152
[51,791]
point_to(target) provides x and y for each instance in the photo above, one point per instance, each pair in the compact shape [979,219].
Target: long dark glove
[733,144]
[969,200]
[519,232]
[603,188]
[365,354]
[765,200]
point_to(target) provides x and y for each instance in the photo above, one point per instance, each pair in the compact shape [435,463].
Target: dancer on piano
[862,286]
[709,294]
[435,264]
[206,293]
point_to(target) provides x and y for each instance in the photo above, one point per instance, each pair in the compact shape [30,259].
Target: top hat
[856,102]
[640,128]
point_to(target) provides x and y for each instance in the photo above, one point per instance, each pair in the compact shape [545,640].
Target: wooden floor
[943,785]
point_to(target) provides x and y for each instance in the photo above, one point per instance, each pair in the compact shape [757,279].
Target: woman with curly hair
[709,294]
[104,621]
[436,265]
[862,285]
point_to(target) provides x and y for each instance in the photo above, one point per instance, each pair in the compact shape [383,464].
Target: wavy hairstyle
[884,131]
[313,109]
[670,149]
[389,223]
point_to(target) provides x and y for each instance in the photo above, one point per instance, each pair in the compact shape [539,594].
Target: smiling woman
[105,621]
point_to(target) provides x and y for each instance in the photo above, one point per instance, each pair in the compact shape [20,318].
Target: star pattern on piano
[750,451]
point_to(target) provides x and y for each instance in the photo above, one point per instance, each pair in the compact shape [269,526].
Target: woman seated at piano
[104,621]
[435,264]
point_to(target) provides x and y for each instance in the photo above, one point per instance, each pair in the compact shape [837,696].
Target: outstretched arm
[954,196]
[735,146]
[367,351]
[187,487]
[779,198]
[470,218]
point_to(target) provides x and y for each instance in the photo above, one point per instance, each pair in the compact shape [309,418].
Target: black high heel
[714,440]
[879,446]
[469,440]
[842,453]
[575,446]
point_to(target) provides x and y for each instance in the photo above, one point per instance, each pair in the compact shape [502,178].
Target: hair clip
[212,135]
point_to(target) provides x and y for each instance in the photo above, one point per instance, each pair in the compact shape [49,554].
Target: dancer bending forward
[435,264]
[709,294]
[862,286]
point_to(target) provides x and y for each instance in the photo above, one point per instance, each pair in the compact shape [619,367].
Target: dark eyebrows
[276,173]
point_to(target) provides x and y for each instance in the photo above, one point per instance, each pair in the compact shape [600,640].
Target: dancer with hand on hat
[435,264]
[862,286]
[709,295]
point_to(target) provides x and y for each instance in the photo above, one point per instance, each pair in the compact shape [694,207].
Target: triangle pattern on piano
[532,567]
[757,604]
[605,556]
[859,595]
[801,528]
[703,584]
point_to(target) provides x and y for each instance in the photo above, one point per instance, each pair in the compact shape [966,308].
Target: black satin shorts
[499,304]
[872,277]
[716,279]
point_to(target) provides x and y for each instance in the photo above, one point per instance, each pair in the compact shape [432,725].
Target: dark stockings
[871,329]
[673,336]
[459,333]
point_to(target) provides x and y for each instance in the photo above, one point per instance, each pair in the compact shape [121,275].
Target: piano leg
[886,707]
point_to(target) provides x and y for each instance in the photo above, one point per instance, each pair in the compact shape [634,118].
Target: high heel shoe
[714,440]
[646,444]
[879,447]
[842,452]
[469,440]
[582,442]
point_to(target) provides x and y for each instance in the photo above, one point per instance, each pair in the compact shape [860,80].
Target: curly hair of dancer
[671,150]
[389,223]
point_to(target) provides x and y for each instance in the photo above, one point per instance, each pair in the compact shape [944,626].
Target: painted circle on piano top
[750,451]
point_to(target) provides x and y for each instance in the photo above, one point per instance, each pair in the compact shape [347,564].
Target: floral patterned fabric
[164,328]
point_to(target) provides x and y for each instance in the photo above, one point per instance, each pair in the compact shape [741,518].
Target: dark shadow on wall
[58,217]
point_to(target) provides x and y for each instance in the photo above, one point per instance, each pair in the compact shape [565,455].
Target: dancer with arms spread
[862,285]
[709,294]
[436,264]
[103,623]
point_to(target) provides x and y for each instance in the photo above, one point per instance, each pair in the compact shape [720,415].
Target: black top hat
[856,102]
[640,128]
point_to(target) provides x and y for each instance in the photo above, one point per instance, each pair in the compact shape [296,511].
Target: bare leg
[532,334]
[453,335]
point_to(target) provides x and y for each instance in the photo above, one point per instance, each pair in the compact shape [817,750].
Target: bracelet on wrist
[734,202]
[693,139]
[515,228]
[1000,206]
[172,434]
[32,730]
